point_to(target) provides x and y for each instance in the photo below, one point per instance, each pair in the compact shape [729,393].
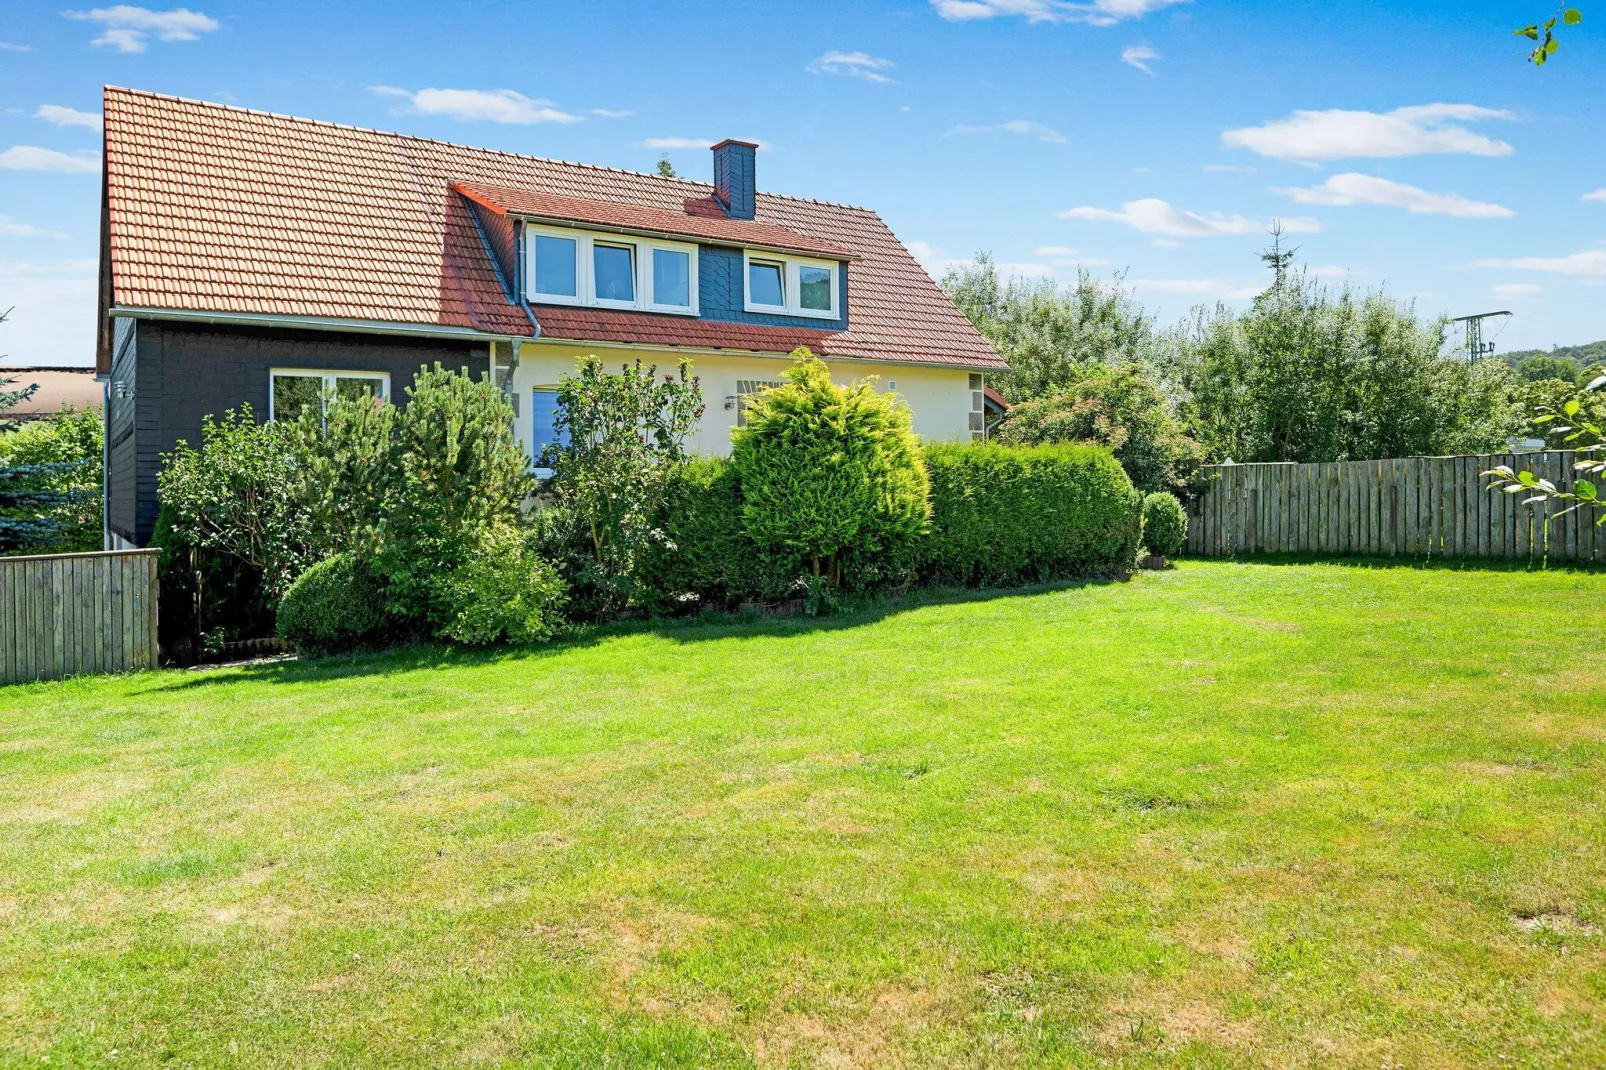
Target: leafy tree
[665,168]
[238,495]
[624,436]
[56,464]
[1116,407]
[1545,399]
[1543,34]
[1537,369]
[1307,375]
[48,480]
[1049,335]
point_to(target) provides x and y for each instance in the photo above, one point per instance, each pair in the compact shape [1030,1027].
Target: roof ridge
[460,145]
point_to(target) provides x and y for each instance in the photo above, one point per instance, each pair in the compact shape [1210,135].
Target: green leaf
[1571,408]
[1530,32]
[1551,25]
[1585,490]
[1572,16]
[1538,57]
[1551,45]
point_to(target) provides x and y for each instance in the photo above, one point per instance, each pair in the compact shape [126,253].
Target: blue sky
[1406,146]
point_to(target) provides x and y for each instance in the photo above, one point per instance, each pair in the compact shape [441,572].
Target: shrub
[335,605]
[624,435]
[236,495]
[830,474]
[1114,407]
[50,484]
[1165,524]
[1006,515]
[507,593]
[704,549]
[462,476]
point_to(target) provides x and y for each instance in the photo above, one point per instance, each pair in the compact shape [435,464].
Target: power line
[1476,348]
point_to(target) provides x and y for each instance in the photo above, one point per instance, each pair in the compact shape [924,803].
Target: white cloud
[1054,250]
[698,142]
[1227,169]
[852,65]
[54,317]
[1598,195]
[937,263]
[7,46]
[679,142]
[1154,216]
[1094,12]
[11,227]
[62,116]
[1139,56]
[480,105]
[31,158]
[129,28]
[1025,127]
[1589,264]
[1351,188]
[1335,134]
[610,113]
[1516,289]
[1222,289]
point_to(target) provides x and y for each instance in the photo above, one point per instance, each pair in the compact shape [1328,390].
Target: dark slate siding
[719,294]
[120,438]
[188,372]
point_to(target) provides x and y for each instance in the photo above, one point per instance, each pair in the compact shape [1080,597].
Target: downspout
[105,463]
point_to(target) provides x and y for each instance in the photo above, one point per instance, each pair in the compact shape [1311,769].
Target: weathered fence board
[65,614]
[1438,506]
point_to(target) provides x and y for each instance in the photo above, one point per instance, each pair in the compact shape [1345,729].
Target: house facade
[262,259]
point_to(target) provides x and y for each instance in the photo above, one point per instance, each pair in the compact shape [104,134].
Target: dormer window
[572,267]
[791,286]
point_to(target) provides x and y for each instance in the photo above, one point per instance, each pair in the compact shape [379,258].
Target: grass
[1234,814]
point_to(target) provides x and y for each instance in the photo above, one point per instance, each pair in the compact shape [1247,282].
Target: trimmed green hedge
[1165,524]
[704,549]
[1006,515]
[334,606]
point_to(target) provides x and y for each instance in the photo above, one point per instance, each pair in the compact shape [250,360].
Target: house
[60,388]
[249,257]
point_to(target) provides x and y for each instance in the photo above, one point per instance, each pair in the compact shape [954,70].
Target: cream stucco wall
[939,398]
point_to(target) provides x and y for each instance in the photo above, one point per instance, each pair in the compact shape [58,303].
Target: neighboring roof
[58,387]
[700,218]
[218,209]
[996,399]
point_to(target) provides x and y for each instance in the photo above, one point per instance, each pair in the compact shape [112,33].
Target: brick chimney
[734,181]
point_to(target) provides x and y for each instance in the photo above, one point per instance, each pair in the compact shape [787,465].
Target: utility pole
[1476,347]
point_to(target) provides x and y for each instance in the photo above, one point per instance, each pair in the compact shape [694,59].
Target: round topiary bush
[335,605]
[1165,524]
[831,475]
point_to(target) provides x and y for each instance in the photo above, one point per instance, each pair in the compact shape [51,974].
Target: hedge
[1006,515]
[1165,524]
[703,548]
[336,605]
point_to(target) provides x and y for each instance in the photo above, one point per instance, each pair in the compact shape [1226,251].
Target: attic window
[791,286]
[572,267]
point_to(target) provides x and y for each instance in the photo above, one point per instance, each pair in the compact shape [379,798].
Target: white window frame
[791,285]
[329,377]
[585,282]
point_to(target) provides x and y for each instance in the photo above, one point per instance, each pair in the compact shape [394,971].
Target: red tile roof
[219,209]
[693,221]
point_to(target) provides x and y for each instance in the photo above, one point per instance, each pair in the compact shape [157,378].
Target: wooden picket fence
[65,614]
[1423,506]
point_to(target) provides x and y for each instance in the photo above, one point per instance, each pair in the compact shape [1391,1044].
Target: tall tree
[1050,335]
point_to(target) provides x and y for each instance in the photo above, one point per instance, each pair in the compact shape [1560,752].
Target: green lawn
[1228,815]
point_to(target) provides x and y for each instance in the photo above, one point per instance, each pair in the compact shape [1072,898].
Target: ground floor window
[293,391]
[543,426]
[746,389]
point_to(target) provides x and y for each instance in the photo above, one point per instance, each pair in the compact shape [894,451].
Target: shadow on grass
[695,628]
[1423,562]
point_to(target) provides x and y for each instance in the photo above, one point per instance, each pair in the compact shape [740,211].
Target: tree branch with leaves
[1544,34]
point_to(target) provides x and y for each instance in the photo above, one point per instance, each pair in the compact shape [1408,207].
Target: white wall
[940,398]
